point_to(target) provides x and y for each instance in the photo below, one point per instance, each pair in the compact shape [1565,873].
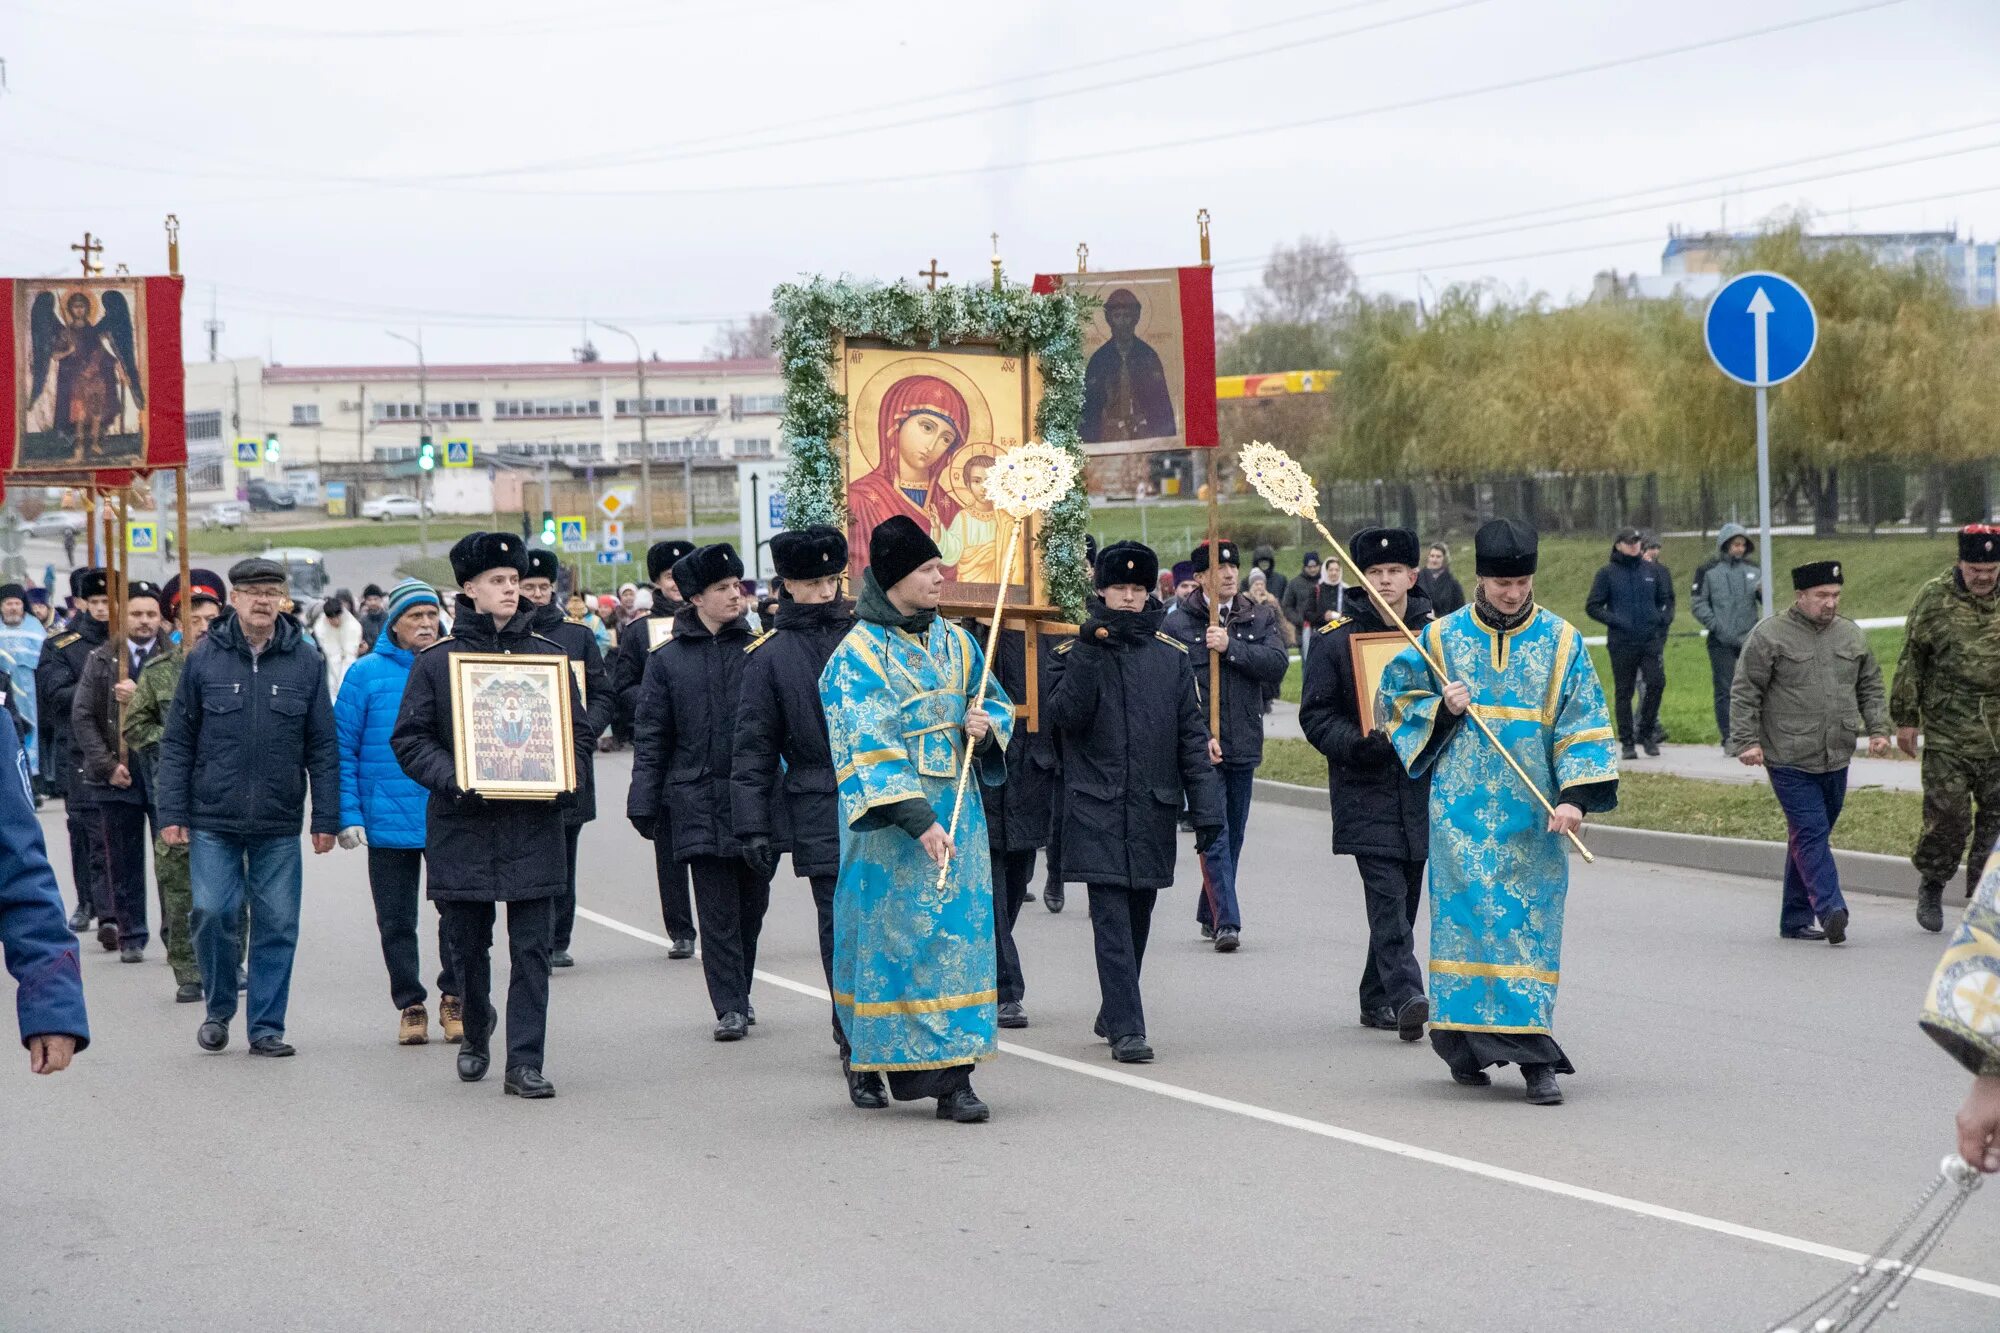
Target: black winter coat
[683,737]
[1633,599]
[94,727]
[779,718]
[245,733]
[1134,748]
[628,659]
[1017,811]
[576,639]
[1378,809]
[56,679]
[477,850]
[1440,588]
[1256,659]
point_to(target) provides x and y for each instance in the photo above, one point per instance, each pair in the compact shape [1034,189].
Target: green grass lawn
[339,534]
[1872,821]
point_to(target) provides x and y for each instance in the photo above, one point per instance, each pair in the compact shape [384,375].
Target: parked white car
[55,522]
[225,514]
[392,506]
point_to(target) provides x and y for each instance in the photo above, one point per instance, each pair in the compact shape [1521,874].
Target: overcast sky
[496,173]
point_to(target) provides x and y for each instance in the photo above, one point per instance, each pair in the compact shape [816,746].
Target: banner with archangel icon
[92,377]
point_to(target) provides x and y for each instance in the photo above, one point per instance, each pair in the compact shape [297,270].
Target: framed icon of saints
[511,737]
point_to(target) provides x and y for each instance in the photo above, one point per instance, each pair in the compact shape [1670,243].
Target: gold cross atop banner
[933,273]
[88,251]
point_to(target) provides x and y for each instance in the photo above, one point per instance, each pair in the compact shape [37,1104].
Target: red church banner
[1149,359]
[90,375]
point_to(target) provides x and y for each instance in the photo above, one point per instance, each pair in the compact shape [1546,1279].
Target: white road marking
[1410,1151]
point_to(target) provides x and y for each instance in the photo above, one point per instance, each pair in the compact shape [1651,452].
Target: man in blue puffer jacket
[382,809]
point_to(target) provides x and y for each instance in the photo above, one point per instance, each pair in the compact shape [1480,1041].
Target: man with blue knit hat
[628,672]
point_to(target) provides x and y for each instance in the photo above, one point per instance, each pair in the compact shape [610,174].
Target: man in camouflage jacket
[1948,684]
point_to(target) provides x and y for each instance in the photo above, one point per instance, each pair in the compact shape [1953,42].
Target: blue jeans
[1217,906]
[1812,804]
[225,870]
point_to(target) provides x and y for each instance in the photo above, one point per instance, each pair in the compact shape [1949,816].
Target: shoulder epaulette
[440,643]
[1065,645]
[1330,626]
[533,634]
[1164,637]
[751,647]
[64,639]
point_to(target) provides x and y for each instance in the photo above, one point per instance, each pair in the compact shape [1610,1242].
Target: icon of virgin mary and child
[927,471]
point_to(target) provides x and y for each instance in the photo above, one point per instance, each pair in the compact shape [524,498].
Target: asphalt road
[1278,1167]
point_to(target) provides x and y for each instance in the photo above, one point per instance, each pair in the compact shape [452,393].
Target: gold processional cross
[933,273]
[87,251]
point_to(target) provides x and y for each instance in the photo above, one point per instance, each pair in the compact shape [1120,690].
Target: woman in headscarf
[921,421]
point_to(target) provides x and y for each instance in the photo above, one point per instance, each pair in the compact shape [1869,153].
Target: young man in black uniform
[628,672]
[793,805]
[1381,815]
[1134,746]
[56,679]
[683,738]
[538,591]
[479,852]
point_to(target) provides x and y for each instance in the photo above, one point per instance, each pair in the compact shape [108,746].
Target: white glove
[353,836]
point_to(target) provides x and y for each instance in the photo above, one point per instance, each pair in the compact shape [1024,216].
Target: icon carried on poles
[142,538]
[571,533]
[458,453]
[249,453]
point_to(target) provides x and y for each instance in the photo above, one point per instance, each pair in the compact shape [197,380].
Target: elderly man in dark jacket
[1252,649]
[781,786]
[636,640]
[1633,599]
[683,742]
[40,952]
[56,679]
[1122,696]
[538,591]
[1381,815]
[251,723]
[479,851]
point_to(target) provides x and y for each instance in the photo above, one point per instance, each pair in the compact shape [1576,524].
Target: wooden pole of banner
[119,568]
[1214,548]
[90,528]
[181,473]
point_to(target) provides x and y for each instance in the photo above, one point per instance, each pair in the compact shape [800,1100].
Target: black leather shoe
[1131,1050]
[1383,1017]
[561,958]
[1028,897]
[187,992]
[682,948]
[79,920]
[1471,1078]
[750,1014]
[1208,932]
[963,1106]
[1052,897]
[1803,933]
[1410,1019]
[107,935]
[1652,749]
[212,1036]
[1628,752]
[275,1047]
[1226,940]
[865,1089]
[1011,1016]
[1835,925]
[528,1084]
[1930,906]
[1542,1089]
[131,954]
[472,1062]
[732,1027]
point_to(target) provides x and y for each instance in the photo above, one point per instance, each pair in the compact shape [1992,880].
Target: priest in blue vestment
[1499,864]
[913,964]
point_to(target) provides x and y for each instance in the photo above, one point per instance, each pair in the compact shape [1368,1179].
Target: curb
[1862,872]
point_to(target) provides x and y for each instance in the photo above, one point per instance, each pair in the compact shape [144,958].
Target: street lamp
[424,411]
[645,448]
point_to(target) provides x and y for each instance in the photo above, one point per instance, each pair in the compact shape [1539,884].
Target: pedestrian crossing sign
[571,533]
[458,453]
[249,453]
[142,538]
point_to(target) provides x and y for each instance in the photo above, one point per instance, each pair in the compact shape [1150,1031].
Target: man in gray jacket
[1726,593]
[1806,686]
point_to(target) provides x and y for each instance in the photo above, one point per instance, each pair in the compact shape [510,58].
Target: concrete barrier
[1862,872]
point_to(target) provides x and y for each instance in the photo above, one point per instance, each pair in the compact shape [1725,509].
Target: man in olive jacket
[479,852]
[1806,686]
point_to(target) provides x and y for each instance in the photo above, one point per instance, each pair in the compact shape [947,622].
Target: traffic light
[271,447]
[548,527]
[426,454]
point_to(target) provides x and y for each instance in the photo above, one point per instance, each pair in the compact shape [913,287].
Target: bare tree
[1307,283]
[752,339]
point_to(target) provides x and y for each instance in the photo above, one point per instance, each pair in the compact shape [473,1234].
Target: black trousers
[916,1084]
[1391,889]
[1054,879]
[1628,663]
[822,887]
[395,878]
[1120,921]
[732,901]
[1721,675]
[676,908]
[119,830]
[86,862]
[563,924]
[469,927]
[1014,872]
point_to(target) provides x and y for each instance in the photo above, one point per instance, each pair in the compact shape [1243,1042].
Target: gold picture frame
[512,736]
[1371,655]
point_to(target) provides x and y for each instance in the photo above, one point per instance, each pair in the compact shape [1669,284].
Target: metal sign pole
[1764,493]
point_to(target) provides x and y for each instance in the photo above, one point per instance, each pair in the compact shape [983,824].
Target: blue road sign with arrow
[1761,329]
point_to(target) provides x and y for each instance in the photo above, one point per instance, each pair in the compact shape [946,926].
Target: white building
[563,422]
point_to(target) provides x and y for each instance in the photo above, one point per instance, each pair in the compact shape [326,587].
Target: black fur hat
[88,583]
[1384,546]
[896,548]
[1127,562]
[809,553]
[1226,553]
[663,556]
[706,565]
[476,552]
[542,564]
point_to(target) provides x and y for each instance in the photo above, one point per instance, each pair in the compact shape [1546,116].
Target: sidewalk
[1688,761]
